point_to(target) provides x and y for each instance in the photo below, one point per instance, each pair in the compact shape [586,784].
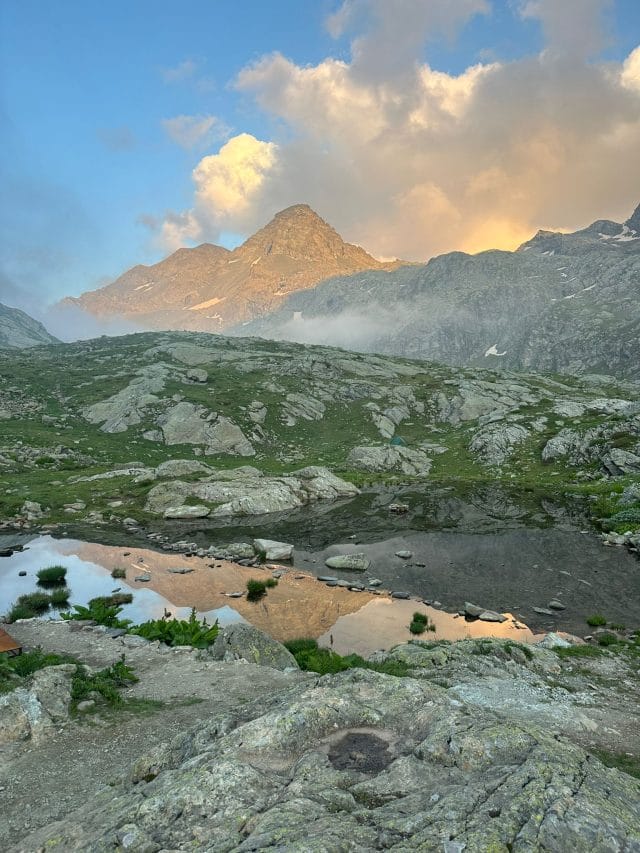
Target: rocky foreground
[488,745]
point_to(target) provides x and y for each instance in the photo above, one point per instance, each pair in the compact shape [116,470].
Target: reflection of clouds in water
[87,580]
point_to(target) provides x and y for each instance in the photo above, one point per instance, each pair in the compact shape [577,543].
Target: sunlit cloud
[416,161]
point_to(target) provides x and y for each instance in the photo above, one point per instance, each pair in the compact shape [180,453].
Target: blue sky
[88,89]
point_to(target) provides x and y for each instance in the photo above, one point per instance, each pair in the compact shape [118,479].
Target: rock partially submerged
[348,562]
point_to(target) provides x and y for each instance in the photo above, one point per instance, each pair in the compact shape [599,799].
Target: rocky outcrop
[244,642]
[18,329]
[186,423]
[390,458]
[33,712]
[128,407]
[495,443]
[364,761]
[245,491]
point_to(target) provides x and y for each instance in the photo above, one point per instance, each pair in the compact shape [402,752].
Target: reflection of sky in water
[86,580]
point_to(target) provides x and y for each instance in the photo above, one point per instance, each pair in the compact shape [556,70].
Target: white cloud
[183,71]
[416,161]
[191,131]
[227,187]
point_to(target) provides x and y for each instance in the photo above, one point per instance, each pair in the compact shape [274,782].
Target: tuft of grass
[28,606]
[119,573]
[59,597]
[597,620]
[256,590]
[585,651]
[607,639]
[271,582]
[52,576]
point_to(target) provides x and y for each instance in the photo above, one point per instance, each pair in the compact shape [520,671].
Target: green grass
[52,576]
[59,597]
[118,573]
[312,658]
[581,651]
[29,605]
[629,764]
[596,620]
[420,623]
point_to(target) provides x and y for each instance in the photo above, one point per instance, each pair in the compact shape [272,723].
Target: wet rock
[400,594]
[543,611]
[404,555]
[473,610]
[556,605]
[352,562]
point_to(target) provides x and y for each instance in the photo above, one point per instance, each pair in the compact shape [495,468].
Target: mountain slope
[209,288]
[18,329]
[561,302]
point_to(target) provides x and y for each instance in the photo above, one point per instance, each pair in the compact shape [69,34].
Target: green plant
[621,761]
[119,573]
[312,658]
[52,576]
[106,682]
[99,612]
[597,620]
[616,626]
[28,606]
[420,623]
[179,632]
[581,651]
[256,590]
[13,670]
[59,597]
[271,582]
[607,639]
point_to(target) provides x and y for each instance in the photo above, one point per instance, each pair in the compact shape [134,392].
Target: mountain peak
[299,233]
[633,222]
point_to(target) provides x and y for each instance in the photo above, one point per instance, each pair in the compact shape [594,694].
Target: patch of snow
[208,304]
[493,350]
[257,260]
[143,287]
[626,235]
[234,261]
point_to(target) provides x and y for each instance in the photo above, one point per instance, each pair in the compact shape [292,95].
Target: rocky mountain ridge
[209,288]
[18,329]
[565,303]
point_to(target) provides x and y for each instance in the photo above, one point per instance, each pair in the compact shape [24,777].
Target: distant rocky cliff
[561,302]
[18,329]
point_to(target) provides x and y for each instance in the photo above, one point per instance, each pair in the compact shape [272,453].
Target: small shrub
[256,590]
[179,632]
[271,582]
[98,612]
[118,573]
[616,626]
[53,576]
[59,597]
[597,620]
[582,651]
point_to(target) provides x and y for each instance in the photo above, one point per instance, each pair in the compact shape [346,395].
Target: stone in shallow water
[354,562]
[491,616]
[557,605]
[543,611]
[272,550]
[404,555]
